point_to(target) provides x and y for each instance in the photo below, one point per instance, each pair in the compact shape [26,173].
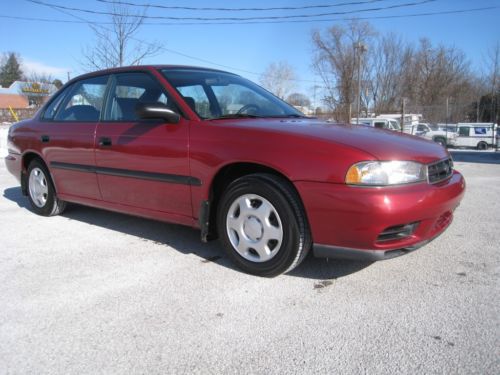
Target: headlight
[382,173]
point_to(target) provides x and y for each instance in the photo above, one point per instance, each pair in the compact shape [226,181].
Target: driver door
[142,164]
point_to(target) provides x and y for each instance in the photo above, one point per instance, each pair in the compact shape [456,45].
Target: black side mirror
[149,111]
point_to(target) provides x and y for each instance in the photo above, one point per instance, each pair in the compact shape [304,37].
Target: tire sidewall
[47,209]
[287,253]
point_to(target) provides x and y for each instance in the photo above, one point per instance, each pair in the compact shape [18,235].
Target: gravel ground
[94,292]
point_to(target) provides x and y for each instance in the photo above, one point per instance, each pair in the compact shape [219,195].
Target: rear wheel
[262,225]
[482,146]
[41,192]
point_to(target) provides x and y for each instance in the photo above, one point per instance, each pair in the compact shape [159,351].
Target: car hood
[381,144]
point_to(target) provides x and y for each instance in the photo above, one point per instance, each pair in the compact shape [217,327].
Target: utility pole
[403,115]
[447,115]
[360,48]
[477,109]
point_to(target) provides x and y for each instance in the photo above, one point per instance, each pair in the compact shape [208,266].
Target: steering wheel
[249,108]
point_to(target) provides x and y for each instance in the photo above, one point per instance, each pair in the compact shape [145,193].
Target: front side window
[84,102]
[196,98]
[130,89]
[219,95]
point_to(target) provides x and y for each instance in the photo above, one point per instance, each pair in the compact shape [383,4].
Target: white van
[381,123]
[480,135]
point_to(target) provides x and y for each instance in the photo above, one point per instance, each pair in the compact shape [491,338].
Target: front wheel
[262,225]
[41,192]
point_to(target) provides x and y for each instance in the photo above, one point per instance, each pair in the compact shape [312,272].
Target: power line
[97,24]
[459,11]
[148,43]
[172,18]
[424,14]
[175,7]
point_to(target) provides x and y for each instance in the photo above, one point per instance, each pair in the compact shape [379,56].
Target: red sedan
[212,150]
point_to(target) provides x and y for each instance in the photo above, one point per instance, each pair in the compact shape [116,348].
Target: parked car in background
[212,150]
[476,135]
[379,123]
[434,133]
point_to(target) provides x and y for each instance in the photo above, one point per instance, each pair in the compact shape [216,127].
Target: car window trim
[62,92]
[68,95]
[111,85]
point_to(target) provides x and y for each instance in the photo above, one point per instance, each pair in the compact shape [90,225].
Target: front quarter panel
[298,157]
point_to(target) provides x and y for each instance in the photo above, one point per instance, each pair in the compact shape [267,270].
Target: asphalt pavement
[95,292]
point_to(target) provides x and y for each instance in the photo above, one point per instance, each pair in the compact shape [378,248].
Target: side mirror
[149,111]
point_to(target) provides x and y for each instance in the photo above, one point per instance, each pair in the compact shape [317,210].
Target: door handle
[104,141]
[45,138]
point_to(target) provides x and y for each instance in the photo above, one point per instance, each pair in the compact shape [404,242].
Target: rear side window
[130,89]
[464,131]
[84,101]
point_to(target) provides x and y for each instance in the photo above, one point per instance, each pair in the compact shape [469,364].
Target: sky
[55,48]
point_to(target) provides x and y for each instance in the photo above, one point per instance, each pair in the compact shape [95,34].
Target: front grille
[397,232]
[440,170]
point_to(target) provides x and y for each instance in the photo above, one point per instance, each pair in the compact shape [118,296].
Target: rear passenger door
[142,163]
[67,131]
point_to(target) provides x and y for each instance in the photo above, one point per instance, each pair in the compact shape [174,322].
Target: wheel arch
[482,145]
[27,158]
[219,183]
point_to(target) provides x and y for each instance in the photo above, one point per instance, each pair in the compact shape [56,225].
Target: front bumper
[326,251]
[347,221]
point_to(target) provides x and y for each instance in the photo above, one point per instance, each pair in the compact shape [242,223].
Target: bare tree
[336,61]
[493,67]
[298,99]
[387,63]
[492,79]
[435,74]
[279,78]
[117,46]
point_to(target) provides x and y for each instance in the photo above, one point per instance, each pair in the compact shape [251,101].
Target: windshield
[218,95]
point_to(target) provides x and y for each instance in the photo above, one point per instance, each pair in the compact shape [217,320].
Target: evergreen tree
[10,71]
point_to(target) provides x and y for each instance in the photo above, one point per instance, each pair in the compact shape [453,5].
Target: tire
[441,141]
[41,192]
[482,146]
[273,236]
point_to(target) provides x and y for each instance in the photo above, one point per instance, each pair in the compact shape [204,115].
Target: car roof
[143,68]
